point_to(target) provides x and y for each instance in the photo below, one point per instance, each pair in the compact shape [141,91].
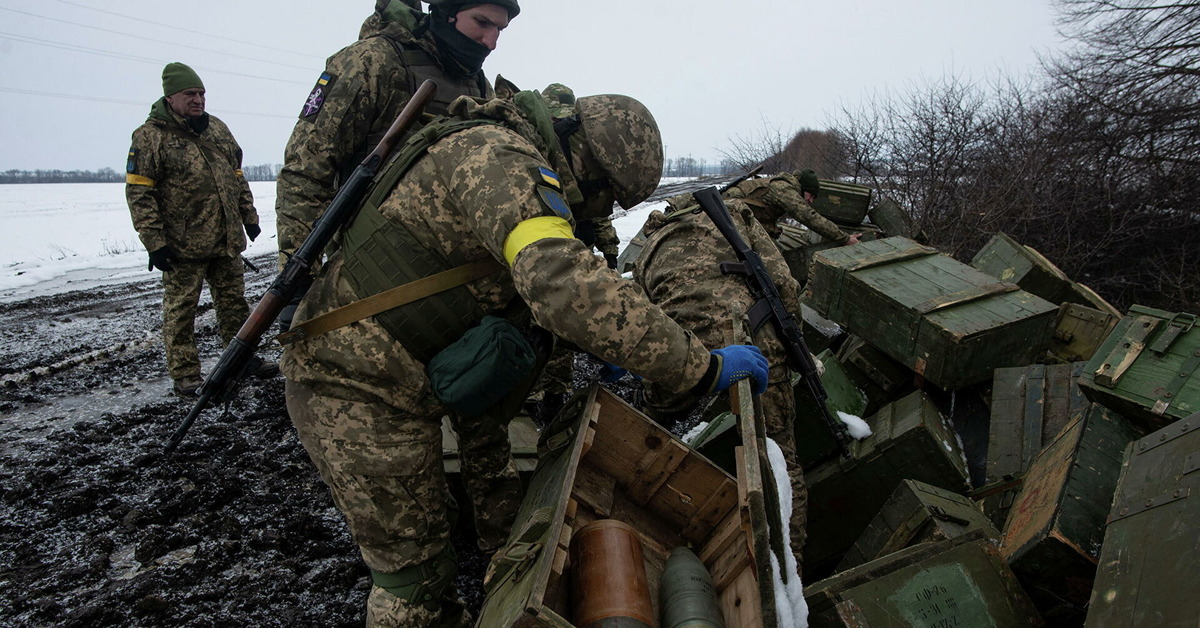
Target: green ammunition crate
[888,216]
[605,460]
[910,440]
[1150,561]
[1031,405]
[881,378]
[1054,530]
[917,513]
[814,441]
[1080,331]
[819,333]
[996,499]
[1009,260]
[843,202]
[955,582]
[950,323]
[798,245]
[1147,368]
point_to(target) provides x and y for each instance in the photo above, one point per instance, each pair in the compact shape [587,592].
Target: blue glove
[739,362]
[610,373]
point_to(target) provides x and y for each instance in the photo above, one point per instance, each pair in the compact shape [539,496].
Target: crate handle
[974,293]
[1177,325]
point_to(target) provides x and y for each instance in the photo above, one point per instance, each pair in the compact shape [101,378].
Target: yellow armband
[137,179]
[532,230]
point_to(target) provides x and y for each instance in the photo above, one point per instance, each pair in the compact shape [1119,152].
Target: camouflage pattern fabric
[560,99]
[775,197]
[356,99]
[680,271]
[371,405]
[607,240]
[181,294]
[184,195]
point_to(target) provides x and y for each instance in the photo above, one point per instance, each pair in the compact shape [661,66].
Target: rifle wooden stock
[769,306]
[234,360]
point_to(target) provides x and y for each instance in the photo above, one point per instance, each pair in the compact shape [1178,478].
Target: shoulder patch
[131,162]
[316,98]
[549,177]
[554,201]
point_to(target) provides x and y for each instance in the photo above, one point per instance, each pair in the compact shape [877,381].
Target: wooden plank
[655,469]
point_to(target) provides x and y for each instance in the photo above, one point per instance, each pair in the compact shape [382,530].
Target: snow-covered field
[69,236]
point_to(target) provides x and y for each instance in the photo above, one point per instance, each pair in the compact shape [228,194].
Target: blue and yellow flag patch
[554,201]
[318,95]
[131,161]
[549,177]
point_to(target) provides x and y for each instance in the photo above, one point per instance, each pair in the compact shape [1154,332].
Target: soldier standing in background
[789,194]
[492,196]
[679,269]
[190,202]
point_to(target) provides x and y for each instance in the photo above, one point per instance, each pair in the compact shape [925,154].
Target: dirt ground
[98,527]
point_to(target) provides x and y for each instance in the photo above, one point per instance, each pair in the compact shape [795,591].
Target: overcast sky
[80,75]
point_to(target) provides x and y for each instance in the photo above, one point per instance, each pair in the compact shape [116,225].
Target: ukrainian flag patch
[554,201]
[316,98]
[549,177]
[131,161]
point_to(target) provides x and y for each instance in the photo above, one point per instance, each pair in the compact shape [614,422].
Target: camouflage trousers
[384,469]
[181,295]
[779,419]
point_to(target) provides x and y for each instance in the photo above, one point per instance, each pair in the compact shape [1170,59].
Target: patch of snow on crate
[694,433]
[790,606]
[857,427]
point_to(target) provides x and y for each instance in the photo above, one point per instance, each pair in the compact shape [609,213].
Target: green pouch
[479,369]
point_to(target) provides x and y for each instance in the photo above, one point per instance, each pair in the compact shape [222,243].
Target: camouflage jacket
[775,197]
[183,194]
[356,99]
[679,269]
[462,200]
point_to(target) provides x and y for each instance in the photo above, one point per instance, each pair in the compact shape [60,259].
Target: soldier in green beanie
[789,194]
[190,205]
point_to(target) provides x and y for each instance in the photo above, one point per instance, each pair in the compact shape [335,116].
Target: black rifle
[235,362]
[769,306]
[749,173]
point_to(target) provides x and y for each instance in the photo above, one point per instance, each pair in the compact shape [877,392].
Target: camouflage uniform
[775,197]
[185,196]
[356,99]
[362,402]
[680,271]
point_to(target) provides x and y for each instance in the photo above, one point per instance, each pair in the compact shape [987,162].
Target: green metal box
[956,582]
[1031,405]
[950,323]
[843,202]
[1147,368]
[917,513]
[1150,563]
[1054,530]
[910,440]
[1080,331]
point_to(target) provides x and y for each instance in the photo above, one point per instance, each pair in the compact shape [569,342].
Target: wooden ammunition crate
[819,333]
[843,202]
[888,216]
[917,513]
[910,440]
[1150,561]
[997,499]
[1009,260]
[882,379]
[610,461]
[1031,405]
[799,244]
[1054,530]
[1080,331]
[955,582]
[1147,368]
[814,440]
[950,323]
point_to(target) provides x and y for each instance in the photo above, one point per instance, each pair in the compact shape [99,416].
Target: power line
[128,102]
[188,30]
[157,41]
[120,55]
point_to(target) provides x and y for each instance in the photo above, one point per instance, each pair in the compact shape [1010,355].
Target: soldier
[789,194]
[190,202]
[364,87]
[367,398]
[679,269]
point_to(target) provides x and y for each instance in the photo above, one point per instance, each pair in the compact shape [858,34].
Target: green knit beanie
[809,182]
[178,77]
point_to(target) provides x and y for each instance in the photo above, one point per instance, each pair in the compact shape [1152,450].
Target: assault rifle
[235,362]
[769,306]
[749,173]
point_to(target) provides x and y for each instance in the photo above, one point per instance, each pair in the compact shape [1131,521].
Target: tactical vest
[380,254]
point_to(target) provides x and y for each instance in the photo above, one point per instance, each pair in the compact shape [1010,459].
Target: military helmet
[624,139]
[560,99]
[808,181]
[456,5]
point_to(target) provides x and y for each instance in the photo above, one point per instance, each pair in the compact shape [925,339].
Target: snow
[857,427]
[790,605]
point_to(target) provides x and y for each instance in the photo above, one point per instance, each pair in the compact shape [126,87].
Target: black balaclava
[462,49]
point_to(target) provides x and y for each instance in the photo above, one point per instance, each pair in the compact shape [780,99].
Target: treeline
[1094,162]
[262,172]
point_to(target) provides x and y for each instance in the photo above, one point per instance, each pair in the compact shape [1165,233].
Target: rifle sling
[388,299]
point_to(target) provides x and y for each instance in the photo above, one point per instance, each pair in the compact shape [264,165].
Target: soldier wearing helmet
[500,195]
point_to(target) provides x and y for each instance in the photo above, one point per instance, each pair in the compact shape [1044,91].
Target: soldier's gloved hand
[610,373]
[162,258]
[737,362]
[289,311]
[611,260]
[252,231]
